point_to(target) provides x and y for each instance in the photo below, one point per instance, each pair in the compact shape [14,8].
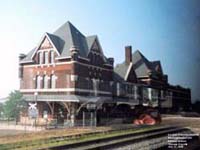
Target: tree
[1,110]
[14,105]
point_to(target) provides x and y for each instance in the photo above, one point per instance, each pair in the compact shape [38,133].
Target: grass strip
[45,143]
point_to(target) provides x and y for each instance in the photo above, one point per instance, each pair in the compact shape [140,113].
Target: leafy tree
[1,110]
[14,105]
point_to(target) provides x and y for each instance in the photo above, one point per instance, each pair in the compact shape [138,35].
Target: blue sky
[167,30]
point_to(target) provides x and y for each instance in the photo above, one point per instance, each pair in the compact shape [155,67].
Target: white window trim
[46,79]
[53,81]
[46,57]
[38,82]
[52,57]
[73,77]
[40,57]
[135,92]
[150,93]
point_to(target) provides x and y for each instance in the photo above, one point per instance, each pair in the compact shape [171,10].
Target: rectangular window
[46,58]
[118,89]
[150,94]
[95,86]
[40,57]
[52,57]
[53,81]
[45,82]
[37,82]
[135,92]
[53,86]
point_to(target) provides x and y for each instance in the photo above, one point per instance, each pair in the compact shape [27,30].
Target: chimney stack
[128,54]
[111,61]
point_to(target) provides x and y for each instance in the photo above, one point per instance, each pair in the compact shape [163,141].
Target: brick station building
[72,81]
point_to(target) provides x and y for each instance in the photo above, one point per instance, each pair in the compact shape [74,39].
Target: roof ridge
[146,61]
[140,53]
[74,31]
[70,25]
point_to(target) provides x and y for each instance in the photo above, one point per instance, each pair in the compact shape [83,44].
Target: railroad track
[152,139]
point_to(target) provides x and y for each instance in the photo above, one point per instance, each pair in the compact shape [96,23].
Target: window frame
[51,56]
[46,57]
[37,82]
[40,57]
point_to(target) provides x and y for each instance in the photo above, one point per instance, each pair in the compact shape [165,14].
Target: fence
[11,125]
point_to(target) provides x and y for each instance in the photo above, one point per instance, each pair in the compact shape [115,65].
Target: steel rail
[119,140]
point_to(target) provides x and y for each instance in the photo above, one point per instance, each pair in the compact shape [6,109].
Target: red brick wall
[60,71]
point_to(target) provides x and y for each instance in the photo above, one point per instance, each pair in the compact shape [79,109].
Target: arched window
[45,82]
[51,57]
[40,57]
[37,82]
[52,81]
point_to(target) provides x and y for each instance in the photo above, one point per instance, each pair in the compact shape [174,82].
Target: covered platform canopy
[66,98]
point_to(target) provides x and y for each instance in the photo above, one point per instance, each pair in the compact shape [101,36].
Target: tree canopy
[14,105]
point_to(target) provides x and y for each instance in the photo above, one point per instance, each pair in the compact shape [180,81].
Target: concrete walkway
[6,126]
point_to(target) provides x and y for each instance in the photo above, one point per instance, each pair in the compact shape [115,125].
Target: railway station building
[72,82]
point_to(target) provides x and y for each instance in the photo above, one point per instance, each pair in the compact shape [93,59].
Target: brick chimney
[128,54]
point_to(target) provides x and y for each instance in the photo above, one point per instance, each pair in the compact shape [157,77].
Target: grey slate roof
[66,37]
[90,40]
[56,41]
[120,71]
[156,64]
[141,66]
[28,56]
[70,36]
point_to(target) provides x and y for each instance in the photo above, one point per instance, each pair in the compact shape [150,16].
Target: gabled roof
[141,65]
[51,40]
[70,36]
[156,65]
[66,37]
